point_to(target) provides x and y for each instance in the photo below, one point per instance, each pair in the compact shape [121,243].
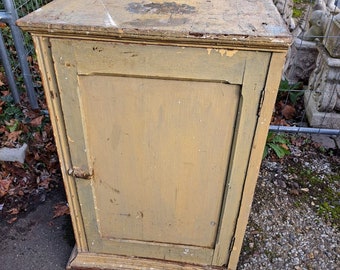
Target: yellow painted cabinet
[160,128]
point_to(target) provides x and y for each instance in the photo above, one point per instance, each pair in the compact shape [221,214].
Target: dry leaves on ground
[23,186]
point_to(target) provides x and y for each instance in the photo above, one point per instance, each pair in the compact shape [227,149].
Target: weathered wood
[252,87]
[85,261]
[160,111]
[52,95]
[161,61]
[270,92]
[236,23]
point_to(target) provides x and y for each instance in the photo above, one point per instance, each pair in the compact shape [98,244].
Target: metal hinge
[231,246]
[262,94]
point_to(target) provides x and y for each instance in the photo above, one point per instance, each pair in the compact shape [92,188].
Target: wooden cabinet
[160,112]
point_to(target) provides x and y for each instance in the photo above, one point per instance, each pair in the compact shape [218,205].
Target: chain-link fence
[17,52]
[309,95]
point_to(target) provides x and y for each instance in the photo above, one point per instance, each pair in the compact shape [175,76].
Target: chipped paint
[222,52]
[277,40]
[160,8]
[209,50]
[231,53]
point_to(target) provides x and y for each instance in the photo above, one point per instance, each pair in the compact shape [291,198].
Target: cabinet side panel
[253,85]
[271,88]
[44,55]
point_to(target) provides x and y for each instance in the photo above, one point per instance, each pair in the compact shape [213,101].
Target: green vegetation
[9,110]
[300,7]
[324,191]
[294,91]
[277,143]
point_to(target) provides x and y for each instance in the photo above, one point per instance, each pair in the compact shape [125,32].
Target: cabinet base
[93,261]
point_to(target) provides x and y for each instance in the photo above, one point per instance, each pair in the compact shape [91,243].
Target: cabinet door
[159,138]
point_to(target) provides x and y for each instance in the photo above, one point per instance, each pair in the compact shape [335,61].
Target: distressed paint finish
[262,124]
[160,112]
[243,23]
[160,150]
[49,79]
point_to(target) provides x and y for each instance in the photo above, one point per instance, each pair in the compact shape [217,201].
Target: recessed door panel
[159,151]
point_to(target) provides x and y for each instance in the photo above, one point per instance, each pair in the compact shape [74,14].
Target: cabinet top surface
[250,21]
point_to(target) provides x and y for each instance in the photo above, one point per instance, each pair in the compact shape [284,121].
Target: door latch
[80,173]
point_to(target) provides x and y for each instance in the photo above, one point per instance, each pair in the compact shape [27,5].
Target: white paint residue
[277,40]
[186,251]
[109,21]
[209,51]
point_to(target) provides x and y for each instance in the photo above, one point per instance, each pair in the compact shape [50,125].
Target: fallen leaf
[298,141]
[45,183]
[279,121]
[294,192]
[14,136]
[2,129]
[5,93]
[29,59]
[51,147]
[61,209]
[13,219]
[37,121]
[4,186]
[288,112]
[13,211]
[284,146]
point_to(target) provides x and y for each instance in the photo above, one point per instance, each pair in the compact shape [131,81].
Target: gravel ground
[285,230]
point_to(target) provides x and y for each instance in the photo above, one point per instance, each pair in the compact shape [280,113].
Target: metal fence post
[7,66]
[22,54]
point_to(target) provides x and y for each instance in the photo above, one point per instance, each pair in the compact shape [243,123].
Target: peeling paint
[277,40]
[209,50]
[231,53]
[222,52]
[186,251]
[139,215]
